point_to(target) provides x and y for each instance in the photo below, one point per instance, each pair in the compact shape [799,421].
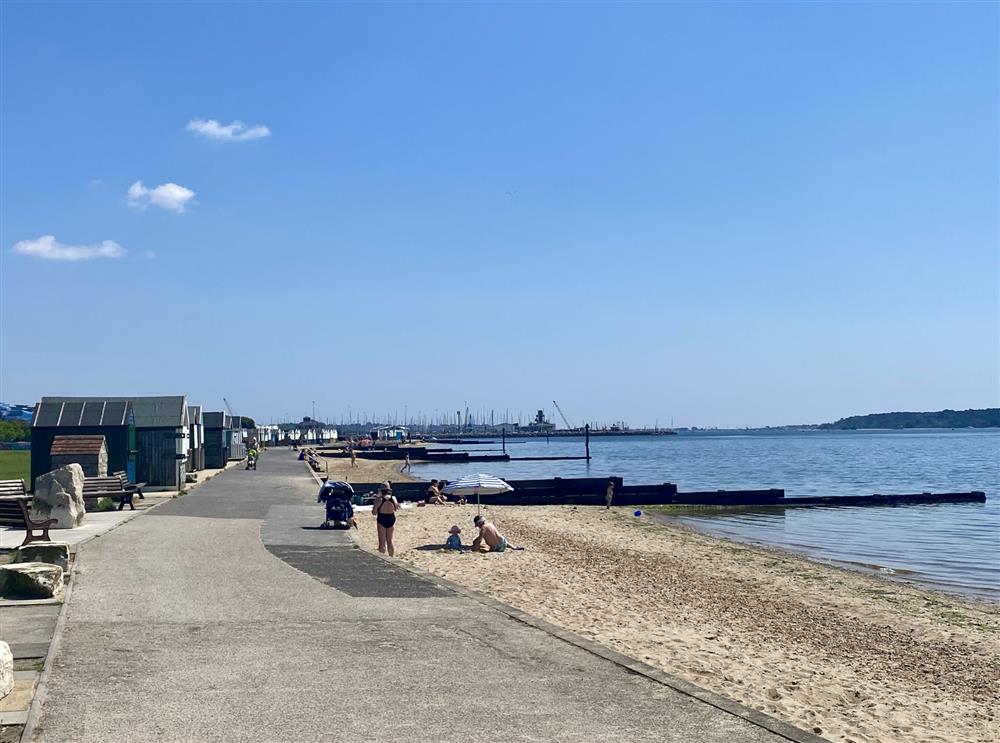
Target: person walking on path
[385,509]
[610,494]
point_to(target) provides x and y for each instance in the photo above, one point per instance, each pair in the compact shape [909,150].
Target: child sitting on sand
[454,541]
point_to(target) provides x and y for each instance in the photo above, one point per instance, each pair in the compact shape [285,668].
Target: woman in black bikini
[385,509]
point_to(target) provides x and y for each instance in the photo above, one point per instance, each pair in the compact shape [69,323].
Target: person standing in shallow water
[385,508]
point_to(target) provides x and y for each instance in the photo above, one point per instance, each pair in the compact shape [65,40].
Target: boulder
[6,670]
[31,580]
[54,553]
[59,495]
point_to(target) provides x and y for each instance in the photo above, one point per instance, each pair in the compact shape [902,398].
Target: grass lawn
[15,465]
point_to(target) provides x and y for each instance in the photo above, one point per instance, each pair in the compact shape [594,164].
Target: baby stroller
[339,510]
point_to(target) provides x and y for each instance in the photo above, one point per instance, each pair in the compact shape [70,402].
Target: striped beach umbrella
[477,485]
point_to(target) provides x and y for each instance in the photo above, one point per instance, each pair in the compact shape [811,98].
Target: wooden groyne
[590,491]
[425,455]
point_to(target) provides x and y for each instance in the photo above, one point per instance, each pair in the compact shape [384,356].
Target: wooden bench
[12,489]
[14,513]
[135,486]
[95,488]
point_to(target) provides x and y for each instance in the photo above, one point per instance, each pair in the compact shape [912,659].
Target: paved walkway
[191,624]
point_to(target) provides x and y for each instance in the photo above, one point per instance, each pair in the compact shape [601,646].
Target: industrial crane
[562,415]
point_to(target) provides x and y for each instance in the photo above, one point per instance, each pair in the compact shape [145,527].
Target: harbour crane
[230,409]
[562,415]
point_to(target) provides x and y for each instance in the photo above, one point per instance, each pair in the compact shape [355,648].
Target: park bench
[95,488]
[136,487]
[14,513]
[12,488]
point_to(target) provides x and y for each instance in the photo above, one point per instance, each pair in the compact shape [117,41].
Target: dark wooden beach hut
[114,420]
[216,426]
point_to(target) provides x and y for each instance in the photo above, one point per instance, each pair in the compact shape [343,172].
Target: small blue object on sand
[638,513]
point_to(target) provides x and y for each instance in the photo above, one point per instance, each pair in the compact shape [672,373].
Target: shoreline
[869,570]
[844,654]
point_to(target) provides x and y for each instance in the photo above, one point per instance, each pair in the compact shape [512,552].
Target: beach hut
[216,425]
[114,420]
[161,436]
[196,439]
[236,438]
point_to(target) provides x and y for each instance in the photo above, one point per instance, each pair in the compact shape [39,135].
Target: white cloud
[49,248]
[235,132]
[169,196]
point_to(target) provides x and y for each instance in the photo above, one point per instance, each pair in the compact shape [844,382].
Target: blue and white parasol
[477,485]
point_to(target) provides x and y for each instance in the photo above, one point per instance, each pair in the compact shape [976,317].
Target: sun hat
[455,529]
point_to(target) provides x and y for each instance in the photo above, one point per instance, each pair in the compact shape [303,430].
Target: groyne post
[503,440]
[586,439]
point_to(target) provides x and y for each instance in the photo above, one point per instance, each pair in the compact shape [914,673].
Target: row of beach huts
[156,440]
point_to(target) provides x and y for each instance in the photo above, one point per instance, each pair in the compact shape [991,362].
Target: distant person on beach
[489,534]
[406,464]
[384,509]
[354,457]
[434,496]
[454,540]
[610,494]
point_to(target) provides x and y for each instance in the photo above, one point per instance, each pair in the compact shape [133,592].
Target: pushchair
[339,510]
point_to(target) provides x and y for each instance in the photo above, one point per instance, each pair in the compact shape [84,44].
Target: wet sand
[848,656]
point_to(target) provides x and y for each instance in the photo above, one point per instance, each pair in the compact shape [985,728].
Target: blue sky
[724,214]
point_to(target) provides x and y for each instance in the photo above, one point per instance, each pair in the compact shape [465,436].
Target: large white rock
[59,495]
[31,580]
[6,669]
[54,553]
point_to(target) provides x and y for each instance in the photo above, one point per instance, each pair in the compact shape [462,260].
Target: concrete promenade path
[225,615]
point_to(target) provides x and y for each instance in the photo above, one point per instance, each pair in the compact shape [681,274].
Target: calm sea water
[951,547]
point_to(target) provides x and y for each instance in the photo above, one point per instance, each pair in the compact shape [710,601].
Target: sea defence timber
[424,455]
[590,491]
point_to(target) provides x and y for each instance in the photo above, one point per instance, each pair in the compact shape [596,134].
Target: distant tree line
[11,430]
[985,418]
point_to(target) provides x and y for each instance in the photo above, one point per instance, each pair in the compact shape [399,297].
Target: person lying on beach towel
[489,534]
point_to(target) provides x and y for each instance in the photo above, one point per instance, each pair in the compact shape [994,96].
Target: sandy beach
[367,470]
[848,656]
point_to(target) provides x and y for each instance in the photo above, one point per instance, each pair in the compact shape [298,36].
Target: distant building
[16,412]
[539,424]
[390,433]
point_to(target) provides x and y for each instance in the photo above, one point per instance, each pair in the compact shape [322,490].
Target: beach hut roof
[77,445]
[80,412]
[149,412]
